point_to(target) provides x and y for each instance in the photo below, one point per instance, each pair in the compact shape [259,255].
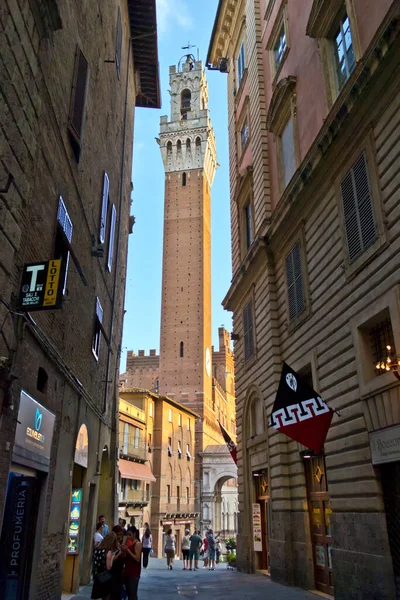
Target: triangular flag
[299,412]
[229,442]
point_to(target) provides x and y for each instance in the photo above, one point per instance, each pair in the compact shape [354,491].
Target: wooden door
[320,522]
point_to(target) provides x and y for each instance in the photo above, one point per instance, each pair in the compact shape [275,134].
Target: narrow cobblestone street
[157,582]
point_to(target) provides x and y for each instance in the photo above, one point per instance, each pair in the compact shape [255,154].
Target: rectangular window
[168,493]
[248,331]
[288,152]
[126,439]
[169,446]
[178,497]
[187,495]
[358,213]
[383,349]
[104,208]
[78,102]
[151,409]
[137,437]
[112,234]
[179,449]
[179,420]
[241,65]
[248,224]
[147,492]
[149,440]
[188,455]
[118,43]
[344,53]
[294,280]
[135,484]
[63,237]
[244,135]
[188,424]
[97,330]
[170,415]
[280,47]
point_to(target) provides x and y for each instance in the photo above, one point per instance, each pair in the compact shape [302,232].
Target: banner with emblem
[229,442]
[299,411]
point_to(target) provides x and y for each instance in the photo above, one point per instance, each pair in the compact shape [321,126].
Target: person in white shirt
[98,536]
[185,549]
[147,542]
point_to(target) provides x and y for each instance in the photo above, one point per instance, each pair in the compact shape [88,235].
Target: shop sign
[74,521]
[16,535]
[385,445]
[35,426]
[257,528]
[81,447]
[41,286]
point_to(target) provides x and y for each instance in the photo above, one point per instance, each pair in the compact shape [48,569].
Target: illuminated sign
[41,286]
[74,521]
[34,426]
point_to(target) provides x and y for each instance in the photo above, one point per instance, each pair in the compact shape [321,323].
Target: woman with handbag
[104,556]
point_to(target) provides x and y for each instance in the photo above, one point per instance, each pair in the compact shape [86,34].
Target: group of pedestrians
[117,560]
[192,546]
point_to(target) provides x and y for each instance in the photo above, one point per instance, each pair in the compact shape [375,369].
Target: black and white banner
[299,412]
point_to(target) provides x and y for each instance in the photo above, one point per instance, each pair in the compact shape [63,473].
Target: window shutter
[294,279]
[248,331]
[112,235]
[65,222]
[78,99]
[104,207]
[99,310]
[118,44]
[357,209]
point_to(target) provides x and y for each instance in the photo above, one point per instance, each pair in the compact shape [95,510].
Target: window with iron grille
[78,102]
[358,213]
[248,330]
[381,336]
[244,135]
[344,53]
[294,281]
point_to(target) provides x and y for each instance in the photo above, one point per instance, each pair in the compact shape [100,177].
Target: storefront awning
[133,470]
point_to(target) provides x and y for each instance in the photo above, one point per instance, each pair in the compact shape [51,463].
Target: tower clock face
[208,362]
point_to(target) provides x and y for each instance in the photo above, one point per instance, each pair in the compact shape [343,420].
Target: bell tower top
[187,141]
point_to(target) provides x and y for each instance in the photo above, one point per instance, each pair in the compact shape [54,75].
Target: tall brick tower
[188,150]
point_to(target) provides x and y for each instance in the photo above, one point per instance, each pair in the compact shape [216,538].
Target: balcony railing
[134,448]
[140,496]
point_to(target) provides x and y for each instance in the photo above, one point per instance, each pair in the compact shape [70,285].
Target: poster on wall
[257,542]
[74,521]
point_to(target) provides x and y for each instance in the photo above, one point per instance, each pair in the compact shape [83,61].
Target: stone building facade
[313,110]
[69,92]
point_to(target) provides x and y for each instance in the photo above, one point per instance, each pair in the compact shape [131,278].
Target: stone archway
[217,469]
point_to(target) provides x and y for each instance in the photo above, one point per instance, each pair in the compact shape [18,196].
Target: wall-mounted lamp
[389,363]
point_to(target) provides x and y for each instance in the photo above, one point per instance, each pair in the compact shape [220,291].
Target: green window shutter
[357,209]
[294,280]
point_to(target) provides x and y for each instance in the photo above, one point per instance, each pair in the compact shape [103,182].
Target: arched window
[183,179]
[185,103]
[169,148]
[179,146]
[198,142]
[181,349]
[188,145]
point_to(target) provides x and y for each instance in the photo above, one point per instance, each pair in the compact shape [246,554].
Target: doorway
[320,522]
[390,476]
[262,494]
[19,528]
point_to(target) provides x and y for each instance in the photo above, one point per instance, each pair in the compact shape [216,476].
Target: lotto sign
[41,286]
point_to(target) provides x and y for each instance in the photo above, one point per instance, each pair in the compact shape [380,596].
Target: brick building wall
[38,50]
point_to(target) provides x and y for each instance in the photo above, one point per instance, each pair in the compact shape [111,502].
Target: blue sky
[179,21]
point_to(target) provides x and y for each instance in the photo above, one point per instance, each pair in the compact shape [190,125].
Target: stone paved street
[221,584]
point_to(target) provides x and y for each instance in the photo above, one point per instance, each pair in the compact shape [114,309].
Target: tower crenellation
[187,141]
